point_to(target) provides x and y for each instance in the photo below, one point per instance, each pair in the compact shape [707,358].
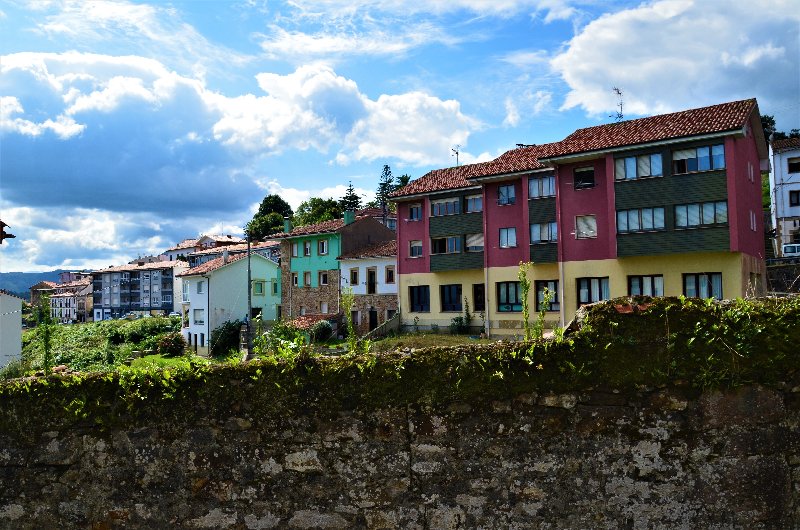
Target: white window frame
[586,226]
[506,235]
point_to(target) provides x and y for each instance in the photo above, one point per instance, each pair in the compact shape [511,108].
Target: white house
[785,188]
[371,273]
[215,292]
[10,328]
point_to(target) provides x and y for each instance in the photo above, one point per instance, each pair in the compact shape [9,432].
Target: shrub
[225,338]
[321,331]
[171,344]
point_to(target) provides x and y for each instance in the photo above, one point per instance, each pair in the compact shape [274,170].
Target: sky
[127,126]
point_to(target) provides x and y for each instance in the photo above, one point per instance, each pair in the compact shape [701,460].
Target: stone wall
[660,458]
[380,302]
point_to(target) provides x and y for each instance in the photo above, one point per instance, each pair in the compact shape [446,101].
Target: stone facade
[381,303]
[293,298]
[659,458]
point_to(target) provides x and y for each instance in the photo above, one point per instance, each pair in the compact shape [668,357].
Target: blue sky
[128,126]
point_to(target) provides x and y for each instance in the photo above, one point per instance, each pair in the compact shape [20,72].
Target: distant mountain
[19,283]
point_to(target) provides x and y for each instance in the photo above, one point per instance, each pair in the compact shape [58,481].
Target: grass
[423,340]
[149,362]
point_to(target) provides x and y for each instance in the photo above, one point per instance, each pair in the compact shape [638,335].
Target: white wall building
[216,292]
[10,328]
[372,275]
[785,190]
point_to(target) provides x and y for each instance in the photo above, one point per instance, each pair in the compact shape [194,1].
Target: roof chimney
[224,255]
[287,224]
[349,216]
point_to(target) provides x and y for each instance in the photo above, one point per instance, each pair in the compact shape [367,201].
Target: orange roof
[216,263]
[786,144]
[308,321]
[379,250]
[186,243]
[132,267]
[706,120]
[450,178]
[237,248]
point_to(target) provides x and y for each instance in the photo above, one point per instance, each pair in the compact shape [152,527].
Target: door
[373,319]
[372,280]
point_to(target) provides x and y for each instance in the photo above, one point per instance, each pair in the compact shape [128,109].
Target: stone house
[371,273]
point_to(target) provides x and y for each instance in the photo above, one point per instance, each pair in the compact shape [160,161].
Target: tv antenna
[618,115]
[455,152]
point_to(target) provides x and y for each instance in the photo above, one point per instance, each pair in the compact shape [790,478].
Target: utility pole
[455,153]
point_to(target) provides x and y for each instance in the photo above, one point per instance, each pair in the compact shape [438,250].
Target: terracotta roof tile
[308,321]
[212,265]
[237,248]
[786,144]
[324,227]
[444,179]
[380,250]
[694,122]
[186,243]
[133,267]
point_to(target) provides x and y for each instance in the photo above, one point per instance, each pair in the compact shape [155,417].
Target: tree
[351,200]
[768,123]
[44,321]
[269,217]
[385,186]
[316,210]
[402,181]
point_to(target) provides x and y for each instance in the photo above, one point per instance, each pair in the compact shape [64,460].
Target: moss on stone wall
[625,344]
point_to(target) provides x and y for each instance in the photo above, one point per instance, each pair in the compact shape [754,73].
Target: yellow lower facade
[741,274]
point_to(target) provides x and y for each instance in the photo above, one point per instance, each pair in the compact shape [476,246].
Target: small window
[508,297]
[415,212]
[473,203]
[323,308]
[583,177]
[793,165]
[794,197]
[294,250]
[544,232]
[539,187]
[592,290]
[703,285]
[323,278]
[294,279]
[445,207]
[585,227]
[354,276]
[652,285]
[322,247]
[390,274]
[306,248]
[506,194]
[547,289]
[355,317]
[451,297]
[474,242]
[258,288]
[201,285]
[478,297]
[199,316]
[274,287]
[420,298]
[508,237]
[415,249]
[307,279]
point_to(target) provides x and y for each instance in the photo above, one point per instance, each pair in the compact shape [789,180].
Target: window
[541,187]
[322,247]
[544,232]
[354,276]
[508,237]
[508,297]
[547,288]
[793,165]
[420,298]
[307,279]
[200,287]
[451,297]
[355,317]
[640,220]
[390,274]
[698,159]
[703,285]
[323,278]
[505,194]
[474,242]
[478,297]
[294,279]
[473,203]
[646,285]
[753,221]
[445,207]
[323,308]
[415,249]
[302,310]
[185,291]
[199,316]
[306,248]
[274,287]
[592,290]
[391,224]
[294,250]
[583,177]
[701,214]
[585,227]
[446,245]
[794,198]
[415,212]
[634,167]
[258,288]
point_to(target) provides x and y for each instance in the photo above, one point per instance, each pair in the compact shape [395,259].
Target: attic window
[584,177]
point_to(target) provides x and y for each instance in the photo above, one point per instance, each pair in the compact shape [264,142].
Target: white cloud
[675,54]
[512,114]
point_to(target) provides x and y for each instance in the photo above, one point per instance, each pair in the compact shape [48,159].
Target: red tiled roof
[308,321]
[132,267]
[77,283]
[379,250]
[324,227]
[694,122]
[47,284]
[444,179]
[375,212]
[786,144]
[186,243]
[236,248]
[213,265]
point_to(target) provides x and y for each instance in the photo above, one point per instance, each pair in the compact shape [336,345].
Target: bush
[321,331]
[171,344]
[225,338]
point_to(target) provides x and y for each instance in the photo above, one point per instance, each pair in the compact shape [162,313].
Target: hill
[19,283]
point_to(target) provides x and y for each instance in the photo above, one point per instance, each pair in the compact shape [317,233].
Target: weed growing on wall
[525,289]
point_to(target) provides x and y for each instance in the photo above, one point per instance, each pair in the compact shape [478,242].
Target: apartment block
[139,287]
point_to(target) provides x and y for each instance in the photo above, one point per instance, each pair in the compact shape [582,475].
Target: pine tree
[351,200]
[385,187]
